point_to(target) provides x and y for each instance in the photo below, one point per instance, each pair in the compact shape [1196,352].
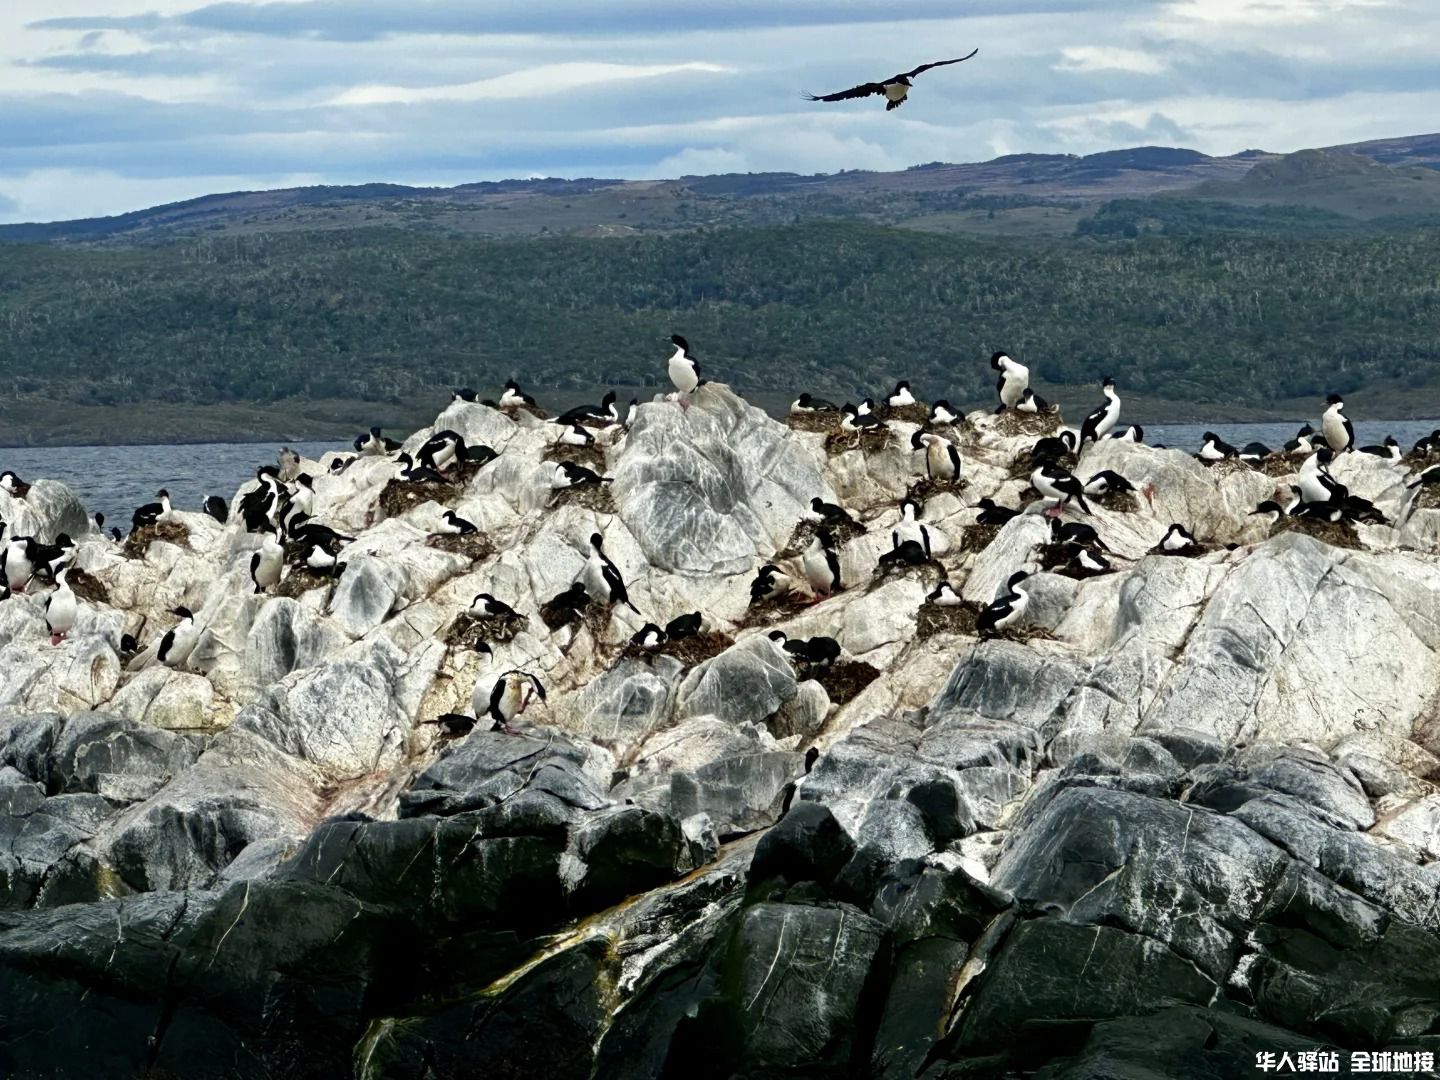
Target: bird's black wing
[938,63]
[863,90]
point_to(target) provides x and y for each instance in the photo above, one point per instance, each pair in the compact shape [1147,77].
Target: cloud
[1110,58]
[529,82]
[8,206]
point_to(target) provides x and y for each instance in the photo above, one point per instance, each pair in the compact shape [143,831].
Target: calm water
[116,479]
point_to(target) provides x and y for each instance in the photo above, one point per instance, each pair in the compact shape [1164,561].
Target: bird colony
[679,740]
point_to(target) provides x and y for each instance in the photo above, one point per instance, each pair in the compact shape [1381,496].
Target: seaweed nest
[1122,502]
[690,651]
[1022,466]
[819,423]
[1052,556]
[1021,634]
[1193,552]
[804,533]
[467,629]
[843,680]
[926,486]
[590,457]
[1226,466]
[1338,534]
[533,410]
[1427,497]
[766,612]
[933,619]
[1076,573]
[839,442]
[1011,422]
[595,616]
[171,532]
[594,497]
[87,587]
[906,414]
[885,572]
[402,496]
[300,580]
[1277,465]
[976,538]
[474,546]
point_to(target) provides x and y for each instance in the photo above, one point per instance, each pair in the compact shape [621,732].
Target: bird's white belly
[896,91]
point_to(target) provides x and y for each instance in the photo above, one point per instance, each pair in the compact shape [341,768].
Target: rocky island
[1182,814]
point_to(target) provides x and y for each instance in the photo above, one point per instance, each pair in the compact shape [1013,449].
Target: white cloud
[526,82]
[1109,58]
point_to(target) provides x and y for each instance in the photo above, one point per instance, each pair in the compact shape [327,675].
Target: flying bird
[893,89]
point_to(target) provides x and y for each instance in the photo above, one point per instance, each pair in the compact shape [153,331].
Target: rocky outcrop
[1184,812]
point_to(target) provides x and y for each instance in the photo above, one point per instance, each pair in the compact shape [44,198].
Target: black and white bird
[1427,444]
[992,513]
[572,600]
[1178,541]
[815,650]
[512,397]
[604,413]
[602,577]
[1056,482]
[909,527]
[942,457]
[808,403]
[567,474]
[302,530]
[1005,610]
[1390,449]
[1107,482]
[179,641]
[1215,448]
[12,485]
[60,609]
[154,513]
[217,508]
[1335,426]
[486,606]
[900,397]
[852,419]
[1013,382]
[1053,447]
[683,369]
[1254,452]
[904,553]
[50,559]
[894,89]
[1303,443]
[944,595]
[830,515]
[407,470]
[684,626]
[1133,433]
[1075,532]
[266,564]
[649,636]
[941,414]
[1085,561]
[320,559]
[770,583]
[574,435]
[441,450]
[1031,402]
[454,525]
[509,697]
[1315,482]
[374,443]
[821,563]
[301,496]
[1425,477]
[467,394]
[18,561]
[1100,422]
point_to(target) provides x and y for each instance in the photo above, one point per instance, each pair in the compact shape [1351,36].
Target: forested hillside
[384,315]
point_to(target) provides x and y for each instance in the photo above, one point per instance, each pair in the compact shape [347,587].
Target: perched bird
[19,560]
[60,609]
[1013,382]
[467,394]
[684,626]
[852,419]
[603,577]
[1315,482]
[604,413]
[1178,541]
[1075,532]
[943,595]
[941,413]
[901,396]
[179,641]
[1086,562]
[1303,443]
[12,485]
[410,472]
[509,697]
[486,606]
[573,600]
[320,559]
[574,435]
[50,559]
[649,636]
[455,525]
[821,563]
[1335,426]
[683,370]
[1425,477]
[512,397]
[991,513]
[265,564]
[830,515]
[1134,433]
[1031,402]
[894,89]
[567,474]
[770,583]
[1098,424]
[99,523]
[1055,482]
[909,527]
[815,650]
[904,553]
[154,513]
[1428,444]
[1107,482]
[1053,447]
[942,457]
[441,450]
[1253,452]
[302,530]
[1215,448]
[807,403]
[373,442]
[1006,609]
[218,509]
[1391,449]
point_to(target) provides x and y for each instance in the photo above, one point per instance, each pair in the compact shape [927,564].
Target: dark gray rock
[123,760]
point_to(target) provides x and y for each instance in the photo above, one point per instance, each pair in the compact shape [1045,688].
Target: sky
[114,105]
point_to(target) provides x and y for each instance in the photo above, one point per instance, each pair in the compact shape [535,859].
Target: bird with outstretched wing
[893,89]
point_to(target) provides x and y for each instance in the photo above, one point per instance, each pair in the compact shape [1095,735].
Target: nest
[467,629]
[843,680]
[1021,634]
[595,616]
[1226,466]
[87,587]
[300,580]
[766,612]
[1276,465]
[474,546]
[839,442]
[1427,497]
[820,423]
[1052,556]
[1022,467]
[1076,573]
[591,457]
[1338,534]
[926,486]
[690,651]
[804,533]
[402,496]
[906,414]
[594,497]
[976,538]
[1012,423]
[1122,502]
[1194,551]
[885,572]
[139,540]
[533,410]
[933,619]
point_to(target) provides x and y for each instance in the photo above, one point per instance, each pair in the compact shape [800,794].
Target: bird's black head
[484,649]
[996,358]
[511,384]
[1334,399]
[1390,440]
[816,503]
[182,611]
[903,384]
[465,393]
[778,636]
[679,342]
[986,503]
[597,541]
[99,520]
[608,399]
[162,494]
[1210,436]
[375,431]
[1324,455]
[918,440]
[1017,577]
[1107,382]
[943,403]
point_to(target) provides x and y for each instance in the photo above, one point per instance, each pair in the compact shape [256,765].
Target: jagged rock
[745,683]
[49,509]
[121,759]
